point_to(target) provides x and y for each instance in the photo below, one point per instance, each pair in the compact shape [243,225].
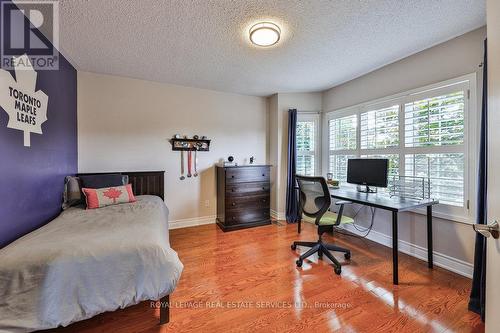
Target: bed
[86,262]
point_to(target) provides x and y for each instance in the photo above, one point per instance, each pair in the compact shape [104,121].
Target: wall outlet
[207,203]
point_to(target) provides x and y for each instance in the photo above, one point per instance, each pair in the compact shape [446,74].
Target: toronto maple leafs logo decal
[27,108]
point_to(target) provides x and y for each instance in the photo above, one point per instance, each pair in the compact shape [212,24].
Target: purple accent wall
[32,178]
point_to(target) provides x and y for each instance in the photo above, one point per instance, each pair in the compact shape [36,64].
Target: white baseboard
[442,260]
[184,223]
[278,216]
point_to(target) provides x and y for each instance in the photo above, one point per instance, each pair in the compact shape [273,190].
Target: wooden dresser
[243,196]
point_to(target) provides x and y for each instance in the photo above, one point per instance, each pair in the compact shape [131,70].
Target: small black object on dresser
[243,196]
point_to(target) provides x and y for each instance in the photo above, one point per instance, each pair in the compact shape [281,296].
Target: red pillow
[101,197]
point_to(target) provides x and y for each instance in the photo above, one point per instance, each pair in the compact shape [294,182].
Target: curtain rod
[305,111]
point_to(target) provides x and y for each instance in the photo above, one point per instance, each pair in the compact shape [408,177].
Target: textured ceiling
[204,43]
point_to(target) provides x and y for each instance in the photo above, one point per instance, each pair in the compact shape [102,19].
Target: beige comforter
[86,262]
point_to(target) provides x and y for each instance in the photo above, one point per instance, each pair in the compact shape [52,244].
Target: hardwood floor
[246,281]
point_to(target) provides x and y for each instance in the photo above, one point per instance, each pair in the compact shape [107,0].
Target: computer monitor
[367,172]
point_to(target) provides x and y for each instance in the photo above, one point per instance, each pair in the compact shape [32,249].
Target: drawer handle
[232,190]
[263,175]
[263,188]
[232,176]
[234,203]
[263,200]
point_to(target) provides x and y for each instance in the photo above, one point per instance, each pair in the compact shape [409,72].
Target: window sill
[445,216]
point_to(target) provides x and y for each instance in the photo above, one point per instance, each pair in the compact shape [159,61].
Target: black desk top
[381,200]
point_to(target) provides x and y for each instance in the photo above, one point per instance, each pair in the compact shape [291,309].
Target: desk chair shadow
[314,205]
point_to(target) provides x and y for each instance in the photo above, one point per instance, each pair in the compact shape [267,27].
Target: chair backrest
[314,198]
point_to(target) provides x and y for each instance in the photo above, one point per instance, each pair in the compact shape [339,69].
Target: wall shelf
[190,144]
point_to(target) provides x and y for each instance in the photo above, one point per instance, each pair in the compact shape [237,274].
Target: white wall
[448,60]
[274,153]
[125,125]
[279,104]
[451,59]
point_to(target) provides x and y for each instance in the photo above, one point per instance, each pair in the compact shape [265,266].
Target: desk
[394,205]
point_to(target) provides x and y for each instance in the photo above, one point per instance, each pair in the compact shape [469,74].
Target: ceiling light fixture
[265,34]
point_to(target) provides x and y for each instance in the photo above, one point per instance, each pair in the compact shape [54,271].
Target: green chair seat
[330,218]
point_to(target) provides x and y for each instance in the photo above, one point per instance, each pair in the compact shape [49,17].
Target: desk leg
[395,279]
[429,237]
[299,225]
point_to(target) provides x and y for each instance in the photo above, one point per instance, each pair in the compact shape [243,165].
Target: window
[436,121]
[380,128]
[426,132]
[343,133]
[338,166]
[446,172]
[307,144]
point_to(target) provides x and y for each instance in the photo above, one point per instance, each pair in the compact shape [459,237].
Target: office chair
[314,205]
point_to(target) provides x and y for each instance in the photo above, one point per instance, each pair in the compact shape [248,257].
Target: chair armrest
[341,203]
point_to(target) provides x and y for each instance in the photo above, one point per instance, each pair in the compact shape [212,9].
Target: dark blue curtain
[292,202]
[478,292]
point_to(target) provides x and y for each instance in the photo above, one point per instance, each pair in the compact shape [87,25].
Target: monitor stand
[366,189]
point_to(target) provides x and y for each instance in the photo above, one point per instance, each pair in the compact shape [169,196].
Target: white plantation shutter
[432,124]
[305,147]
[307,135]
[424,133]
[343,133]
[380,128]
[435,121]
[445,171]
[338,166]
[305,165]
[342,144]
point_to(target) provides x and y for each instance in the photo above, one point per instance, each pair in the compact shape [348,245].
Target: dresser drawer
[243,197]
[247,202]
[245,175]
[244,189]
[246,216]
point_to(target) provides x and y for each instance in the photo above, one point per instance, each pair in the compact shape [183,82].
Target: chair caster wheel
[347,255]
[338,270]
[299,263]
[294,247]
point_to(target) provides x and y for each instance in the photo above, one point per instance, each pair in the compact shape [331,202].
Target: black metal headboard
[143,182]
